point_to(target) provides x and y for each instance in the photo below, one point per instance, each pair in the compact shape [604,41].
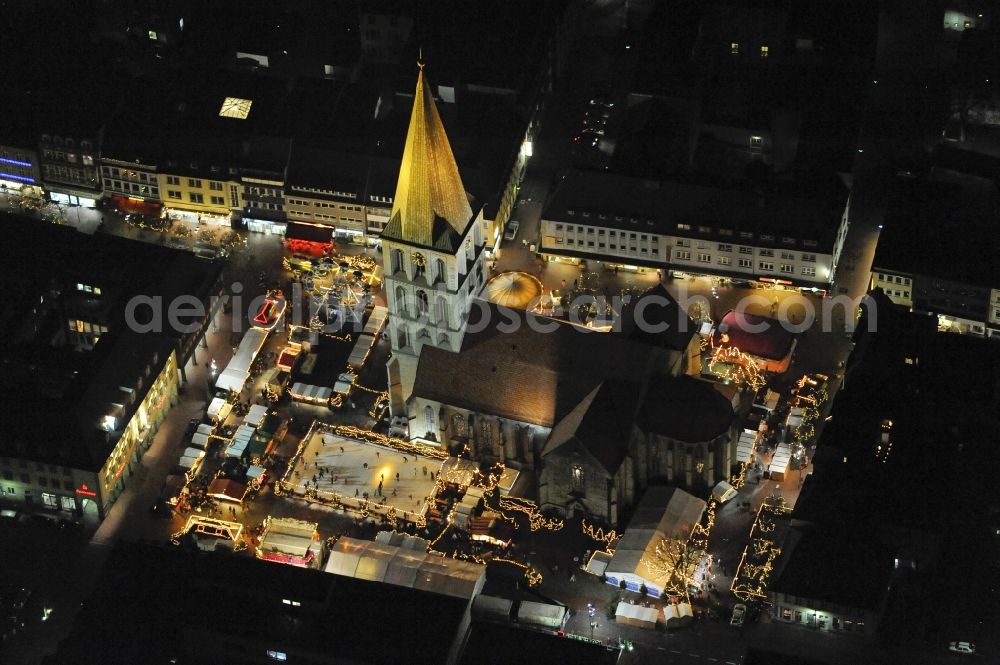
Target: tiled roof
[527,375]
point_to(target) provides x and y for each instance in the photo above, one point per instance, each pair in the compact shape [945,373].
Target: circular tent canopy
[513,289]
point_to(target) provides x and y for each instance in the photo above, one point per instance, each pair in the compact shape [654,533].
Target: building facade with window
[19,170]
[90,347]
[640,224]
[69,168]
[214,190]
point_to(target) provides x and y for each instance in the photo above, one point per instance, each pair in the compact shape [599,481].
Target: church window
[397,260]
[402,339]
[401,300]
[577,480]
[441,311]
[429,419]
[422,303]
[439,270]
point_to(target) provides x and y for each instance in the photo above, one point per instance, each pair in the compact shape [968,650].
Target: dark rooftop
[219,607]
[918,404]
[844,568]
[498,644]
[685,409]
[648,206]
[943,226]
[63,392]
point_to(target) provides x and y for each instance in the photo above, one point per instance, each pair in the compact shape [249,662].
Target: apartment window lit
[763,51]
[756,144]
[734,48]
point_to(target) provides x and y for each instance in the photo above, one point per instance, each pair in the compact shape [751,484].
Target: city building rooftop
[943,226]
[732,215]
[60,390]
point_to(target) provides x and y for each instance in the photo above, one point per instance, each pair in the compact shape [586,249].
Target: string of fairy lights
[760,554]
[536,520]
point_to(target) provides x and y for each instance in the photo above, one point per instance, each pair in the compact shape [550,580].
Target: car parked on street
[511,232]
[967,648]
[739,613]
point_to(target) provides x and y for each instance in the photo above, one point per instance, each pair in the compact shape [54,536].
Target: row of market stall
[673,615]
[402,560]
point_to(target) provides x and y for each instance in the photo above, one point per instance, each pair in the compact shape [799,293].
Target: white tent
[255,472]
[345,556]
[219,408]
[360,351]
[744,447]
[664,514]
[199,440]
[376,321]
[636,615]
[205,428]
[238,370]
[723,492]
[780,461]
[541,614]
[403,566]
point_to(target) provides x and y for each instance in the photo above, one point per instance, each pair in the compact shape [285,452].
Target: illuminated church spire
[429,185]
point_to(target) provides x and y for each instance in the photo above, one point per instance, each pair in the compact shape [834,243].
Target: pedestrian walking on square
[397,477]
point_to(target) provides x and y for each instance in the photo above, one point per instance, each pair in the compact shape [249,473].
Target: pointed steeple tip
[420,58]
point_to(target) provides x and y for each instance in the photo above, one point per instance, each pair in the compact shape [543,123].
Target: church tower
[432,249]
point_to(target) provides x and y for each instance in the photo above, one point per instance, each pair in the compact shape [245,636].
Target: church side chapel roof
[685,409]
[601,423]
[431,207]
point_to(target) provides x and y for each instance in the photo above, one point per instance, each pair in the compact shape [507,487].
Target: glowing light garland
[746,372]
[536,520]
[609,537]
[759,556]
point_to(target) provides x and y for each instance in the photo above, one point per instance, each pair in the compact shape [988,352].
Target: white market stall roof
[232,380]
[598,563]
[344,384]
[636,615]
[795,417]
[402,540]
[191,451]
[289,536]
[216,407]
[781,459]
[240,441]
[360,351]
[199,440]
[255,415]
[255,472]
[309,393]
[720,491]
[664,513]
[541,614]
[376,321]
[205,428]
[392,564]
[744,447]
[238,370]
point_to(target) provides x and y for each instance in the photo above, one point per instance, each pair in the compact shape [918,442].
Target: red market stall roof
[754,334]
[227,490]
